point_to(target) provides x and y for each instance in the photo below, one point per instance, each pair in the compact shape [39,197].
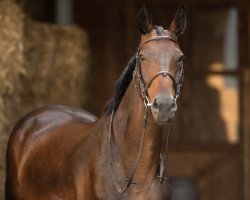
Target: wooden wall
[105,23]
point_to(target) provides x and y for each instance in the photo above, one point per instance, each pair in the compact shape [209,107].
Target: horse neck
[128,129]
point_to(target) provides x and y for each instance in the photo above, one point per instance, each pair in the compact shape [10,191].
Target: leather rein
[142,90]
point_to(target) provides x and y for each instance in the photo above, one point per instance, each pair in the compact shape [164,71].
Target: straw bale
[55,60]
[11,57]
[11,68]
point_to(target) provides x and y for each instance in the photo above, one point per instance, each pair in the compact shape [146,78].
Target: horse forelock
[159,30]
[121,86]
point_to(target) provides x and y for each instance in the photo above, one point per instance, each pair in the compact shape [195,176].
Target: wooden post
[246,132]
[246,106]
[64,12]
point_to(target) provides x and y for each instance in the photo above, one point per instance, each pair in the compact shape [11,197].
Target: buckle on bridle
[147,102]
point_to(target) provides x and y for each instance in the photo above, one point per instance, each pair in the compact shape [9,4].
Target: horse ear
[144,20]
[178,25]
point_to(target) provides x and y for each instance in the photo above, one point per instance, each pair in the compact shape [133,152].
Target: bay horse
[59,152]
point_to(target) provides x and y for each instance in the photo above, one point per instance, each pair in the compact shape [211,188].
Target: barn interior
[86,45]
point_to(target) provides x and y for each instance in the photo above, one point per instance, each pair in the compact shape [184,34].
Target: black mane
[121,86]
[123,82]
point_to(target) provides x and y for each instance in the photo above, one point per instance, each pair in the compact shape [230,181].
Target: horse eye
[142,58]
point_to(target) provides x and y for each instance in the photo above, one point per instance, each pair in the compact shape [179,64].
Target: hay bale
[56,62]
[11,57]
[11,67]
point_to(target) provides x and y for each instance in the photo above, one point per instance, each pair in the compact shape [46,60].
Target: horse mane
[121,86]
[124,80]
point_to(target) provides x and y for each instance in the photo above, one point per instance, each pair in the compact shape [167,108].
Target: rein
[137,74]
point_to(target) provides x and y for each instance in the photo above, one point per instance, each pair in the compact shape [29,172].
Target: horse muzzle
[163,109]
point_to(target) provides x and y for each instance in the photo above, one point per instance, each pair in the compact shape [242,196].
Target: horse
[64,153]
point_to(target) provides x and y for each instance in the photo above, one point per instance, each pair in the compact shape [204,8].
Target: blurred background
[72,51]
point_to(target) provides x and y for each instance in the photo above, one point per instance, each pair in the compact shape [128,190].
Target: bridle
[143,93]
[138,73]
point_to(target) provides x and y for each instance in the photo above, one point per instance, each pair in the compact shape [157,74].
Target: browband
[158,38]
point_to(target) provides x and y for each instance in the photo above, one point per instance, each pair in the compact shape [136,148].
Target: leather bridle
[143,93]
[145,86]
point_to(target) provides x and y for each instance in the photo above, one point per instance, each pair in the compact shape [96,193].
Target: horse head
[159,71]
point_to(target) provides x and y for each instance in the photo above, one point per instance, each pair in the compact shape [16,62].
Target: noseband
[145,86]
[143,93]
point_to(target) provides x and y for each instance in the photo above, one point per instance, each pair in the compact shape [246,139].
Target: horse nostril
[155,104]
